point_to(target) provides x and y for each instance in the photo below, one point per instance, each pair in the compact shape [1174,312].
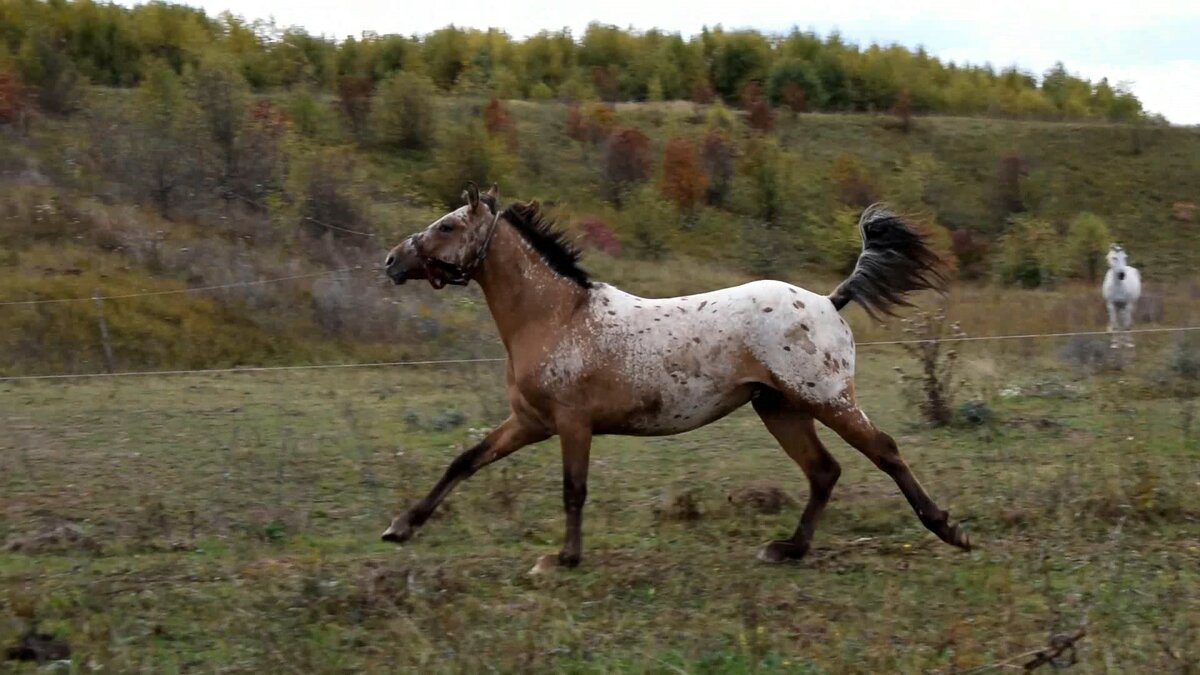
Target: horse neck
[521,290]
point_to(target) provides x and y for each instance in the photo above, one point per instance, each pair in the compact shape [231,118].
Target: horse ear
[494,192]
[471,195]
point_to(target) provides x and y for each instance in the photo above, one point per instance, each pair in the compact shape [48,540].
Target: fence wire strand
[500,359]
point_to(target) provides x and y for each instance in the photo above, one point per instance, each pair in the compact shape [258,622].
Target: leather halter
[462,274]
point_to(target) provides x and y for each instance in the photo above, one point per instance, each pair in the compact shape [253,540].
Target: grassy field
[229,524]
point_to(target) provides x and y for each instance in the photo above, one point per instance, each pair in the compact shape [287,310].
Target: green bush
[465,152]
[402,112]
[1087,241]
[1028,255]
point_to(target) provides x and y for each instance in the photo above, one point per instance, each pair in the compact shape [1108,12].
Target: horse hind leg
[795,432]
[856,429]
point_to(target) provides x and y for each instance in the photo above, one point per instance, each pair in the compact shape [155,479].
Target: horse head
[1117,258]
[449,250]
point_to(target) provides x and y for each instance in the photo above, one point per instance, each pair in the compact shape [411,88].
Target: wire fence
[499,359]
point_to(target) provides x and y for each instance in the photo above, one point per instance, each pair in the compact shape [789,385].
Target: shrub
[464,152]
[14,103]
[717,155]
[1027,252]
[683,179]
[852,185]
[903,111]
[971,250]
[402,112]
[794,83]
[219,91]
[46,67]
[354,99]
[308,115]
[1087,242]
[498,123]
[326,188]
[767,171]
[626,161]
[758,110]
[1009,195]
[934,389]
[598,235]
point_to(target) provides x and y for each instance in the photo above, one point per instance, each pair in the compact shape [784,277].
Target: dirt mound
[680,506]
[760,497]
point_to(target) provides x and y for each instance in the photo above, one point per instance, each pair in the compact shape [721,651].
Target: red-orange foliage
[852,185]
[14,104]
[683,178]
[354,97]
[264,114]
[500,125]
[1008,184]
[795,98]
[702,92]
[971,251]
[594,126]
[903,110]
[575,125]
[758,111]
[626,160]
[600,236]
[608,86]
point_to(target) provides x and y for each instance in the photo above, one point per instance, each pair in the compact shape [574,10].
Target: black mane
[561,255]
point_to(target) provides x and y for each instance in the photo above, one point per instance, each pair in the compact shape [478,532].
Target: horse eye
[446,227]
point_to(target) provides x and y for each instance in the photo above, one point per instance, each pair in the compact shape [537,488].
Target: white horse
[1122,288]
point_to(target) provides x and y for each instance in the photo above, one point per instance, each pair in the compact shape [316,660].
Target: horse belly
[685,408]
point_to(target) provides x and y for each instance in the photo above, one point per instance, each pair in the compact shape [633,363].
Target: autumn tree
[354,98]
[683,179]
[717,156]
[758,111]
[852,185]
[1009,194]
[903,111]
[14,104]
[498,123]
[626,161]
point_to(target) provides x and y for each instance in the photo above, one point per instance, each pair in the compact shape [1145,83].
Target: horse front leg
[510,436]
[576,452]
[1113,326]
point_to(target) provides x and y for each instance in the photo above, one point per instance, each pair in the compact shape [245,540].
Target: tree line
[51,45]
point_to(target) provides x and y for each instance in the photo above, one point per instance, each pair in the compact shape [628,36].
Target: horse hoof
[959,537]
[397,536]
[544,565]
[781,551]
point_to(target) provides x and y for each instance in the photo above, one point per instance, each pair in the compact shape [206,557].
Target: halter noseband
[462,273]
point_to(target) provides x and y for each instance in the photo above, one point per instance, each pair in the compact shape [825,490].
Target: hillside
[79,216]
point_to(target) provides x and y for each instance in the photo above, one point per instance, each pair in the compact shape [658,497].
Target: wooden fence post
[108,354]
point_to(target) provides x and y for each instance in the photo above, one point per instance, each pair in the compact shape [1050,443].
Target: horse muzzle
[403,264]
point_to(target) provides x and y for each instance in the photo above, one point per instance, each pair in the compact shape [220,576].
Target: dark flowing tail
[895,260]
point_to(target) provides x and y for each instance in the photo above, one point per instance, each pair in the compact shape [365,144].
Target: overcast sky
[1154,45]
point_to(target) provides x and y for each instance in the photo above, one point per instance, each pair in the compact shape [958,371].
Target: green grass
[230,524]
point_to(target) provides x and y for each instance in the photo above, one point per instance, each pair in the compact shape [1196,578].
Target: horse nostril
[390,259]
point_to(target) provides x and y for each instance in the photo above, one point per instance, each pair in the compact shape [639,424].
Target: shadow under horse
[585,358]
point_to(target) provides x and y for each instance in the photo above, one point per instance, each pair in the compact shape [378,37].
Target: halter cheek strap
[484,247]
[463,273]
